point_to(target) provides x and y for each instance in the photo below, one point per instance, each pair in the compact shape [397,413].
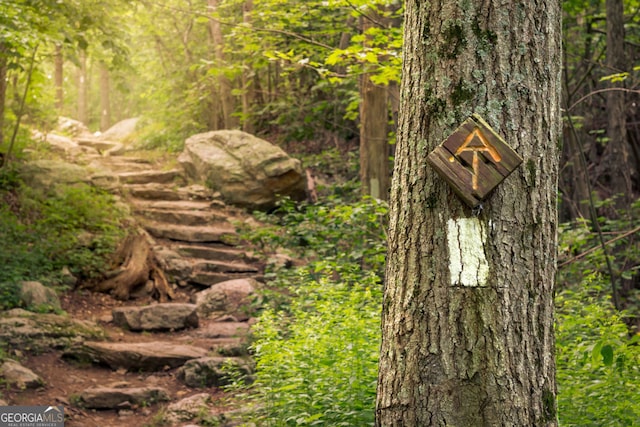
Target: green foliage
[322,368]
[598,365]
[581,253]
[76,227]
[317,350]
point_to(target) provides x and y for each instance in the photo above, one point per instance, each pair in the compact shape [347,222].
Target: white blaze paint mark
[467,264]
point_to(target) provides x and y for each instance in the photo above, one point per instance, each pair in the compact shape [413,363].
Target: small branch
[607,243]
[594,220]
[7,159]
[595,92]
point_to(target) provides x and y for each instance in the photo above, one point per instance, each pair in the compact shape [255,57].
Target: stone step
[172,205]
[223,267]
[215,253]
[183,217]
[207,279]
[122,396]
[160,192]
[173,176]
[219,233]
[110,147]
[145,356]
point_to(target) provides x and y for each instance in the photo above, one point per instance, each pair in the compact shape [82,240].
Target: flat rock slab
[183,217]
[217,253]
[40,332]
[121,397]
[197,234]
[147,356]
[152,176]
[156,317]
[160,192]
[223,267]
[171,205]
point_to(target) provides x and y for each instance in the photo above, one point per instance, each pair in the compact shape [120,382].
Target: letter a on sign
[474,160]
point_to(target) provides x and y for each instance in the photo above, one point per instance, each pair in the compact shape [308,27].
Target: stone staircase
[162,363]
[194,231]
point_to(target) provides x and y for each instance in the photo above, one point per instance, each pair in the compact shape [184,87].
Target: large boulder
[120,131]
[247,171]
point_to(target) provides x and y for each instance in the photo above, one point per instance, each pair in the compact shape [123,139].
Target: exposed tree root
[137,265]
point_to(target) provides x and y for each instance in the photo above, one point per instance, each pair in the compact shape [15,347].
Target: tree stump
[137,265]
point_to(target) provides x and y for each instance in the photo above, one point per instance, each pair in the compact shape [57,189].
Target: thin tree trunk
[83,89]
[467,318]
[374,128]
[3,89]
[105,102]
[226,99]
[248,89]
[58,78]
[617,154]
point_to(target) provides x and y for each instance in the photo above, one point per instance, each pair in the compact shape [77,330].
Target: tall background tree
[468,307]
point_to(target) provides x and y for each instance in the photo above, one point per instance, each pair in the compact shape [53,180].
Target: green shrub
[317,362]
[317,349]
[76,227]
[598,365]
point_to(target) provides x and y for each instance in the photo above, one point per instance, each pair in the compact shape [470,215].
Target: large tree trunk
[374,129]
[468,307]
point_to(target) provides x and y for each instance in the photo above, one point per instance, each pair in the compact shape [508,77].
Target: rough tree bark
[468,310]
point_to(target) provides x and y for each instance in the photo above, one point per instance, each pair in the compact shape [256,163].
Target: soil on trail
[65,379]
[193,238]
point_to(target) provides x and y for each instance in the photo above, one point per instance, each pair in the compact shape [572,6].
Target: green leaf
[607,355]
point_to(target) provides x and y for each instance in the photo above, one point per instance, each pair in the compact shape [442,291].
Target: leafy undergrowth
[598,347]
[75,227]
[598,364]
[317,344]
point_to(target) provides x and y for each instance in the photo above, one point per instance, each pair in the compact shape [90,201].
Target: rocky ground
[140,362]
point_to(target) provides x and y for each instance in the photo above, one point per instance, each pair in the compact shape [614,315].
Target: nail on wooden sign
[474,159]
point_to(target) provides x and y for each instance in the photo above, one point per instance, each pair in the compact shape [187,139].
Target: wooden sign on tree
[474,159]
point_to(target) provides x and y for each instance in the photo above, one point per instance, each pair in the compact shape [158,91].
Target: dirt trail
[194,237]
